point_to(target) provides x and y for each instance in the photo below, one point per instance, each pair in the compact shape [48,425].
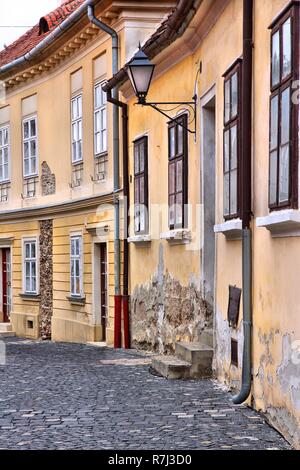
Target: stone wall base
[25,325]
[71,331]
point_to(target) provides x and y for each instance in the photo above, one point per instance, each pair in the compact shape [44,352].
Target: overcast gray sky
[17,15]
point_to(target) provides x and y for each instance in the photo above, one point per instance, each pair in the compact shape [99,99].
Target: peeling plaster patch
[222,360]
[47,180]
[289,372]
[164,311]
[266,359]
[285,423]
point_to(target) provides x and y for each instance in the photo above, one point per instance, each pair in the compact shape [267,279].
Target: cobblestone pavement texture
[70,396]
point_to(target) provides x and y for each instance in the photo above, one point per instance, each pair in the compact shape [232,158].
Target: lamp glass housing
[140,72]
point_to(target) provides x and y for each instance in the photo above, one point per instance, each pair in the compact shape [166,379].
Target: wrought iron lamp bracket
[192,109]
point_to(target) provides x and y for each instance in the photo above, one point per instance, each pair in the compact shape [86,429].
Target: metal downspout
[58,31]
[246,167]
[116,152]
[125,297]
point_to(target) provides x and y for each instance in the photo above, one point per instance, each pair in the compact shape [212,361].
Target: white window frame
[74,257]
[76,121]
[101,110]
[31,240]
[4,146]
[29,139]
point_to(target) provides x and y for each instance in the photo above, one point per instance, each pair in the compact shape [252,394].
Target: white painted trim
[8,127]
[231,229]
[98,83]
[25,119]
[78,94]
[35,239]
[281,224]
[208,95]
[205,99]
[139,239]
[177,235]
[81,262]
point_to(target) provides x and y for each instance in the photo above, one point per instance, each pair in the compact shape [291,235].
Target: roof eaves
[35,43]
[170,29]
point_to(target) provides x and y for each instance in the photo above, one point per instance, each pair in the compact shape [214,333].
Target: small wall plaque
[234,305]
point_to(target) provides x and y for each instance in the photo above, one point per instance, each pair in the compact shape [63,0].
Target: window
[4,151]
[30,267]
[30,147]
[141,185]
[178,172]
[76,266]
[77,175]
[231,141]
[100,126]
[101,162]
[4,191]
[283,152]
[29,188]
[76,112]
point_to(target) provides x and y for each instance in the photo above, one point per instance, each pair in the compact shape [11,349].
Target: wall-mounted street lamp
[140,72]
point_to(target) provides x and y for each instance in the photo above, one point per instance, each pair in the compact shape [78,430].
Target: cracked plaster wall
[164,311]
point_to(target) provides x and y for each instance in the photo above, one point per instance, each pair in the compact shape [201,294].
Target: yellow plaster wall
[22,310]
[276,325]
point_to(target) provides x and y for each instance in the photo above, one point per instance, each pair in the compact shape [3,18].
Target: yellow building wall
[183,262]
[23,311]
[53,90]
[71,321]
[276,325]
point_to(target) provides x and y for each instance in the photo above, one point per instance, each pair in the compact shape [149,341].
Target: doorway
[5,256]
[103,289]
[208,196]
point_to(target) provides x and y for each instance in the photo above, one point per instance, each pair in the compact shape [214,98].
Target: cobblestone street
[68,396]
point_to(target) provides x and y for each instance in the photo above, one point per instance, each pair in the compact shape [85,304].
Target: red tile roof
[32,37]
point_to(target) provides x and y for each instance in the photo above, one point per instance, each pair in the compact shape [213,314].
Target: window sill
[177,236]
[76,300]
[98,180]
[34,297]
[231,229]
[139,239]
[281,224]
[28,177]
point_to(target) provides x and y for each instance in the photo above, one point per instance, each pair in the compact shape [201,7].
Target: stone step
[171,367]
[5,327]
[5,334]
[198,355]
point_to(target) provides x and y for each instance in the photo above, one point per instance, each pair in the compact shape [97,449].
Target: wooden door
[103,288]
[6,284]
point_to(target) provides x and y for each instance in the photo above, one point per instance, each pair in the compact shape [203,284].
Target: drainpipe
[125,297]
[115,68]
[246,159]
[35,52]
